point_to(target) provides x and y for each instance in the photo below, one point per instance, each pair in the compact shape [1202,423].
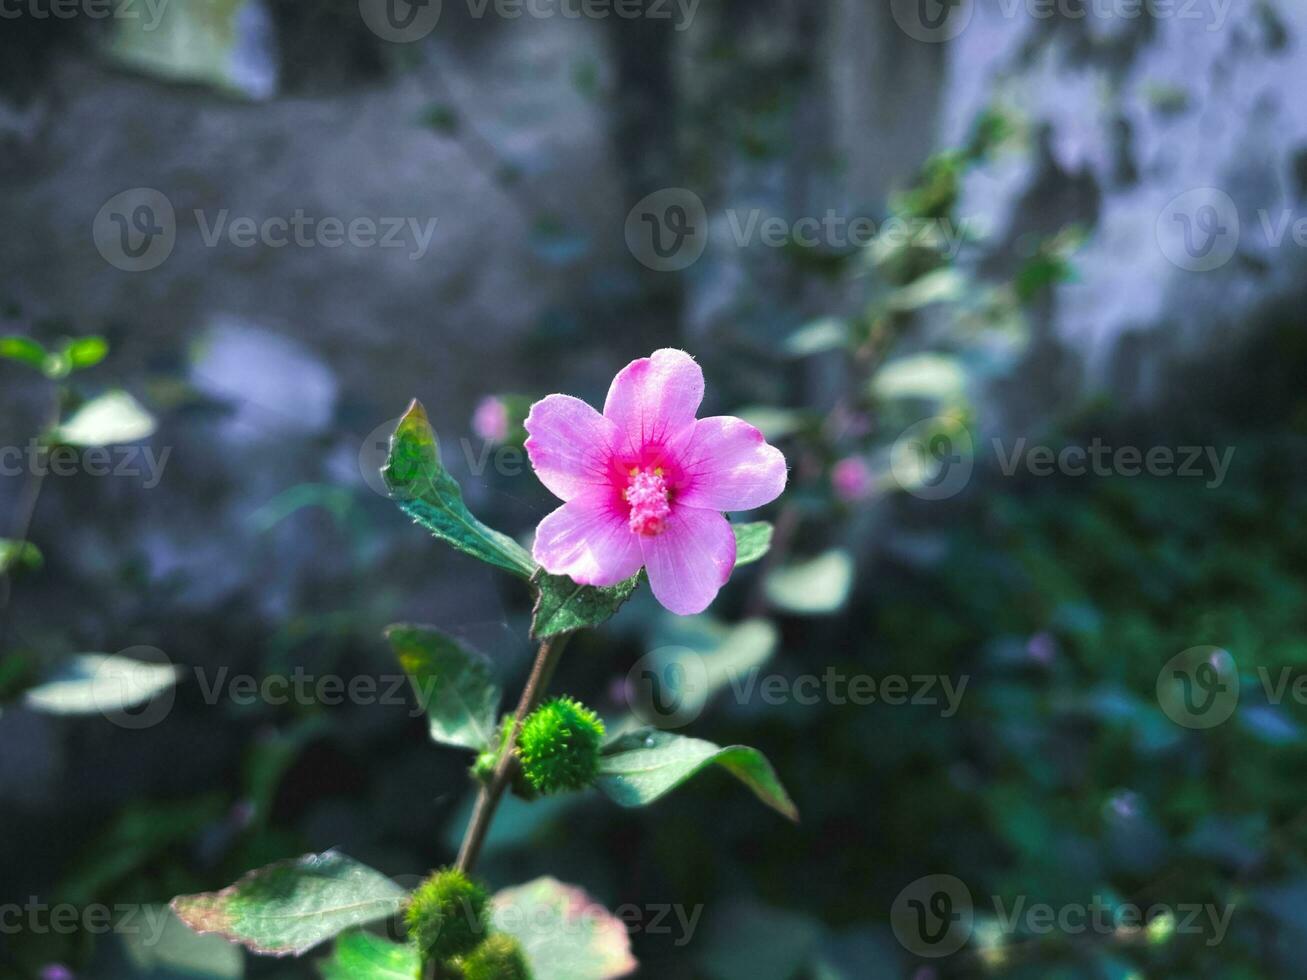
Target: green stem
[490,795]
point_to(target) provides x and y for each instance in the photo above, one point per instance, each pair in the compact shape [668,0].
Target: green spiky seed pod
[498,958]
[559,746]
[448,915]
[483,770]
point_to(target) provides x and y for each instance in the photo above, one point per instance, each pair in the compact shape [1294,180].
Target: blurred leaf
[565,934]
[359,955]
[820,585]
[19,554]
[563,606]
[163,943]
[291,906]
[223,43]
[698,657]
[441,118]
[424,490]
[113,417]
[937,377]
[96,683]
[24,350]
[454,684]
[86,352]
[939,286]
[819,336]
[752,541]
[773,423]
[643,766]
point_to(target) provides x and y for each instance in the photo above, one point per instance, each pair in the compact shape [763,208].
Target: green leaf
[86,352]
[165,947]
[96,683]
[815,587]
[289,907]
[453,683]
[565,934]
[19,554]
[113,417]
[24,350]
[819,336]
[645,765]
[359,955]
[563,606]
[752,541]
[425,491]
[936,377]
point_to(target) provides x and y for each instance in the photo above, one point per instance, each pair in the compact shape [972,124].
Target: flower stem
[489,796]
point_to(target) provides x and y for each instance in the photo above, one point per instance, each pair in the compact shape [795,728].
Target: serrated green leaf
[24,350]
[113,417]
[645,765]
[815,587]
[19,554]
[359,955]
[563,606]
[752,541]
[85,352]
[565,934]
[453,683]
[289,907]
[96,683]
[424,490]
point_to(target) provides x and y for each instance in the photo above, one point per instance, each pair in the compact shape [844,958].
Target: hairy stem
[489,796]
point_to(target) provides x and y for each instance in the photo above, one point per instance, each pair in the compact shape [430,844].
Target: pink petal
[691,560]
[588,539]
[727,465]
[653,398]
[570,445]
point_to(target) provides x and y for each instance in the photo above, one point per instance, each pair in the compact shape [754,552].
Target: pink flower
[852,479]
[490,420]
[645,483]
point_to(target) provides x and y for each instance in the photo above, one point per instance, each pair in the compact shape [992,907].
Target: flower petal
[727,465]
[691,560]
[570,445]
[588,540]
[653,398]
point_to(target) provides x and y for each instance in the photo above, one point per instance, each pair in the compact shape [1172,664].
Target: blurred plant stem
[27,500]
[489,796]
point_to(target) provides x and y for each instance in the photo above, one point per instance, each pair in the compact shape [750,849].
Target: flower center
[648,495]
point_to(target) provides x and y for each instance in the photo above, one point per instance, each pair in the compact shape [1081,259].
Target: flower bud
[447,915]
[559,746]
[498,958]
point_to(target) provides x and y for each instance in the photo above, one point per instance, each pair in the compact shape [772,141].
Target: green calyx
[448,915]
[498,958]
[559,746]
[483,770]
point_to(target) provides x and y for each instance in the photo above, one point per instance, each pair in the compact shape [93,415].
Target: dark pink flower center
[650,501]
